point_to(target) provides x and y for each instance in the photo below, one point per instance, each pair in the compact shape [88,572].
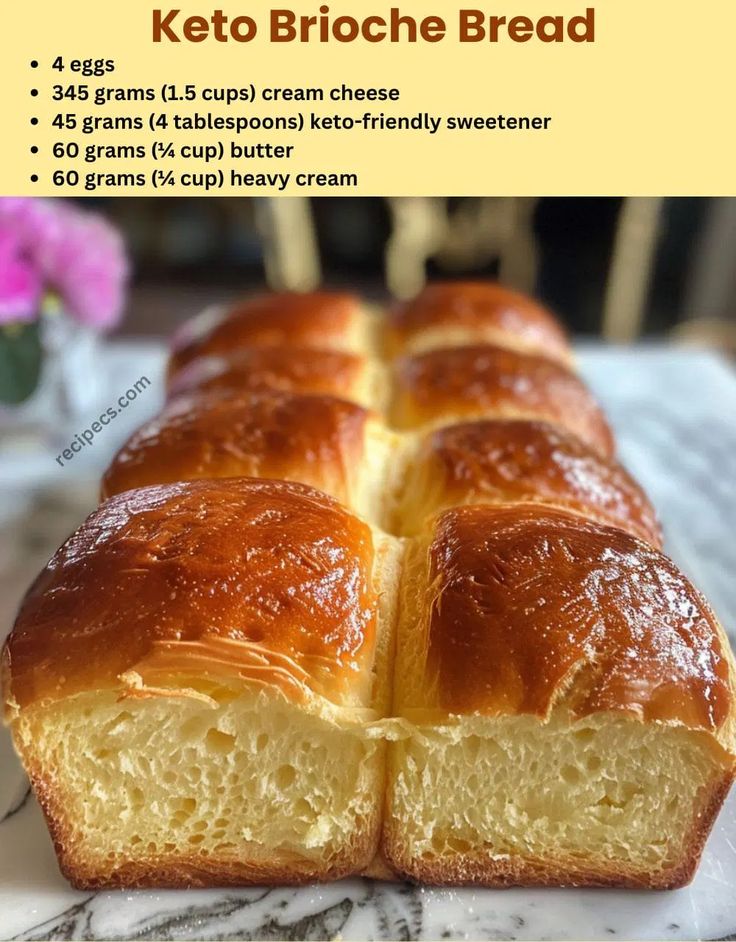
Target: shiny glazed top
[320,319]
[516,461]
[485,312]
[267,582]
[291,369]
[532,606]
[314,439]
[491,382]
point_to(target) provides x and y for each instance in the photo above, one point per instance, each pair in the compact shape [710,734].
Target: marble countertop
[674,412]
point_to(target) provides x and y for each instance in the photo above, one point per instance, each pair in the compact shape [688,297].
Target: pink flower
[20,285]
[78,255]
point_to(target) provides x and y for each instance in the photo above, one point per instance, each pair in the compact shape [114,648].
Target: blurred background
[614,268]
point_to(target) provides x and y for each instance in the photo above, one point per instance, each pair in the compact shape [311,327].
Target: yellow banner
[250,98]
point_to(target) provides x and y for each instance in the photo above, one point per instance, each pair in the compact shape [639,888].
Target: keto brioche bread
[323,320]
[288,369]
[508,359]
[203,436]
[203,717]
[445,314]
[330,443]
[233,674]
[394,479]
[569,698]
[443,387]
[459,313]
[506,461]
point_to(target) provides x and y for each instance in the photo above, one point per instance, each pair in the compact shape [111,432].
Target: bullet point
[34,178]
[34,120]
[34,149]
[34,92]
[34,63]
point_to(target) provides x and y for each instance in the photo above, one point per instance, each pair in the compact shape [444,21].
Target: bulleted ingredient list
[203,137]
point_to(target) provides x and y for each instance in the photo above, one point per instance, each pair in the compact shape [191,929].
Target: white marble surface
[675,416]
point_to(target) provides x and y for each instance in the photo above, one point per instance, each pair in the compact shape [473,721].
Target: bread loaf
[232,673]
[200,717]
[570,701]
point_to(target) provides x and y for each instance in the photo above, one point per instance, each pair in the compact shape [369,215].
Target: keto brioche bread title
[285,26]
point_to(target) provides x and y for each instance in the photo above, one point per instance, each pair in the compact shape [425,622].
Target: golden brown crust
[490,382]
[314,439]
[482,869]
[290,369]
[511,461]
[267,581]
[526,598]
[320,319]
[477,312]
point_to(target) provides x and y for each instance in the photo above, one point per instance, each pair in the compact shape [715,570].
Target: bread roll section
[570,700]
[288,369]
[512,460]
[442,387]
[206,719]
[457,314]
[333,444]
[323,320]
[372,594]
